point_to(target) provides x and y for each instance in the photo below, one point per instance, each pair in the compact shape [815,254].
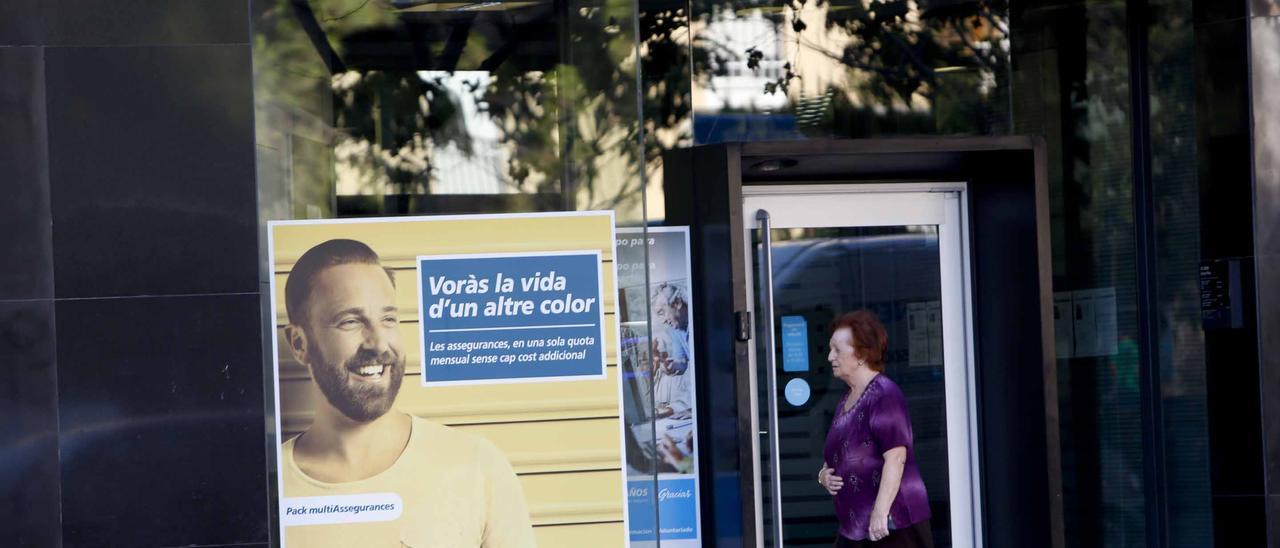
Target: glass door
[820,252]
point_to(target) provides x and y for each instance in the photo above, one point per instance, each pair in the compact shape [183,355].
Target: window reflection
[1183,358]
[426,106]
[1072,87]
[851,68]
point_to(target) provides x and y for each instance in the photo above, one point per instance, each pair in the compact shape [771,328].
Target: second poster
[658,361]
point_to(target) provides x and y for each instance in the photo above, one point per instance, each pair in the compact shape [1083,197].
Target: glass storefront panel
[1181,351]
[412,108]
[1072,86]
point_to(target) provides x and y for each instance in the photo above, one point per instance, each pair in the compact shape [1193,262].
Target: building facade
[146,146]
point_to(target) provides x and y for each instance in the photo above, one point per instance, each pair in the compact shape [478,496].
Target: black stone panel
[21,23]
[146,22]
[152,170]
[1240,521]
[161,421]
[26,248]
[28,425]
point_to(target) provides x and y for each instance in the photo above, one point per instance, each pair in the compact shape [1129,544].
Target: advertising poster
[658,367]
[448,381]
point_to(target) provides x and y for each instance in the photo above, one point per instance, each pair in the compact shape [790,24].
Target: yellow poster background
[562,438]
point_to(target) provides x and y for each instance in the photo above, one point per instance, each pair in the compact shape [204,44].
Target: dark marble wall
[129,303]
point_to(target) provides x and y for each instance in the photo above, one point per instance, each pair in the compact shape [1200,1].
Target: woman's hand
[879,527]
[890,479]
[828,479]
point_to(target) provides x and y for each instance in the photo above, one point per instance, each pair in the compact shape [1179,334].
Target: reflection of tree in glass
[424,112]
[665,66]
[904,45]
[559,89]
[948,58]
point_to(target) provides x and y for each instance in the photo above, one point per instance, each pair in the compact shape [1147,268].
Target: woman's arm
[895,460]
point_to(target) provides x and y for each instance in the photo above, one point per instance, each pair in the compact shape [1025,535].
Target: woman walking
[869,466]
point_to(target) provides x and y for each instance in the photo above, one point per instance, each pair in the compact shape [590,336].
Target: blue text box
[511,317]
[795,344]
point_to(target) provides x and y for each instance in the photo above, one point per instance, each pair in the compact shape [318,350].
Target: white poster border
[275,340]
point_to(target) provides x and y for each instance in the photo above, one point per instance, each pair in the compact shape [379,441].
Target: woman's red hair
[869,337]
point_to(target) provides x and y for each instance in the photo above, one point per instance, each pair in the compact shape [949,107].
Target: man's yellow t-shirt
[458,491]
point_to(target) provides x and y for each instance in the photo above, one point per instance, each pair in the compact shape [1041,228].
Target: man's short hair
[297,288]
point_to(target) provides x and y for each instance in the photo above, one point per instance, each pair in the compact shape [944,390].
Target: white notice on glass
[917,334]
[934,319]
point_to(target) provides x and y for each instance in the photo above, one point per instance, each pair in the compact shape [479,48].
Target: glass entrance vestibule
[942,241]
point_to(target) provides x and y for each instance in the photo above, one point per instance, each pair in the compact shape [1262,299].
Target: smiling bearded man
[456,489]
[354,388]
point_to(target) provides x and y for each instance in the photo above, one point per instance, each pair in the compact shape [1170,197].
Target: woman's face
[843,357]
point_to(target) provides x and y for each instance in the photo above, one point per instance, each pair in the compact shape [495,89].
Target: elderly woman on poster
[869,466]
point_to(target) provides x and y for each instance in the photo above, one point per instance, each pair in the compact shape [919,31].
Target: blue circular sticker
[796,392]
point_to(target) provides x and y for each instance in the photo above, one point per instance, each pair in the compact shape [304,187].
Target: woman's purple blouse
[855,448]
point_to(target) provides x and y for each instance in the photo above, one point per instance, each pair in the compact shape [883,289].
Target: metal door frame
[954,261]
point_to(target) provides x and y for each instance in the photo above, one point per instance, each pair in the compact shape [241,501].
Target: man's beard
[359,401]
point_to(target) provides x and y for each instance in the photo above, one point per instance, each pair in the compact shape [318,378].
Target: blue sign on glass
[511,317]
[795,344]
[677,509]
[796,392]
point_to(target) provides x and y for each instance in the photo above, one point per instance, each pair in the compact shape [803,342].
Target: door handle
[766,324]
